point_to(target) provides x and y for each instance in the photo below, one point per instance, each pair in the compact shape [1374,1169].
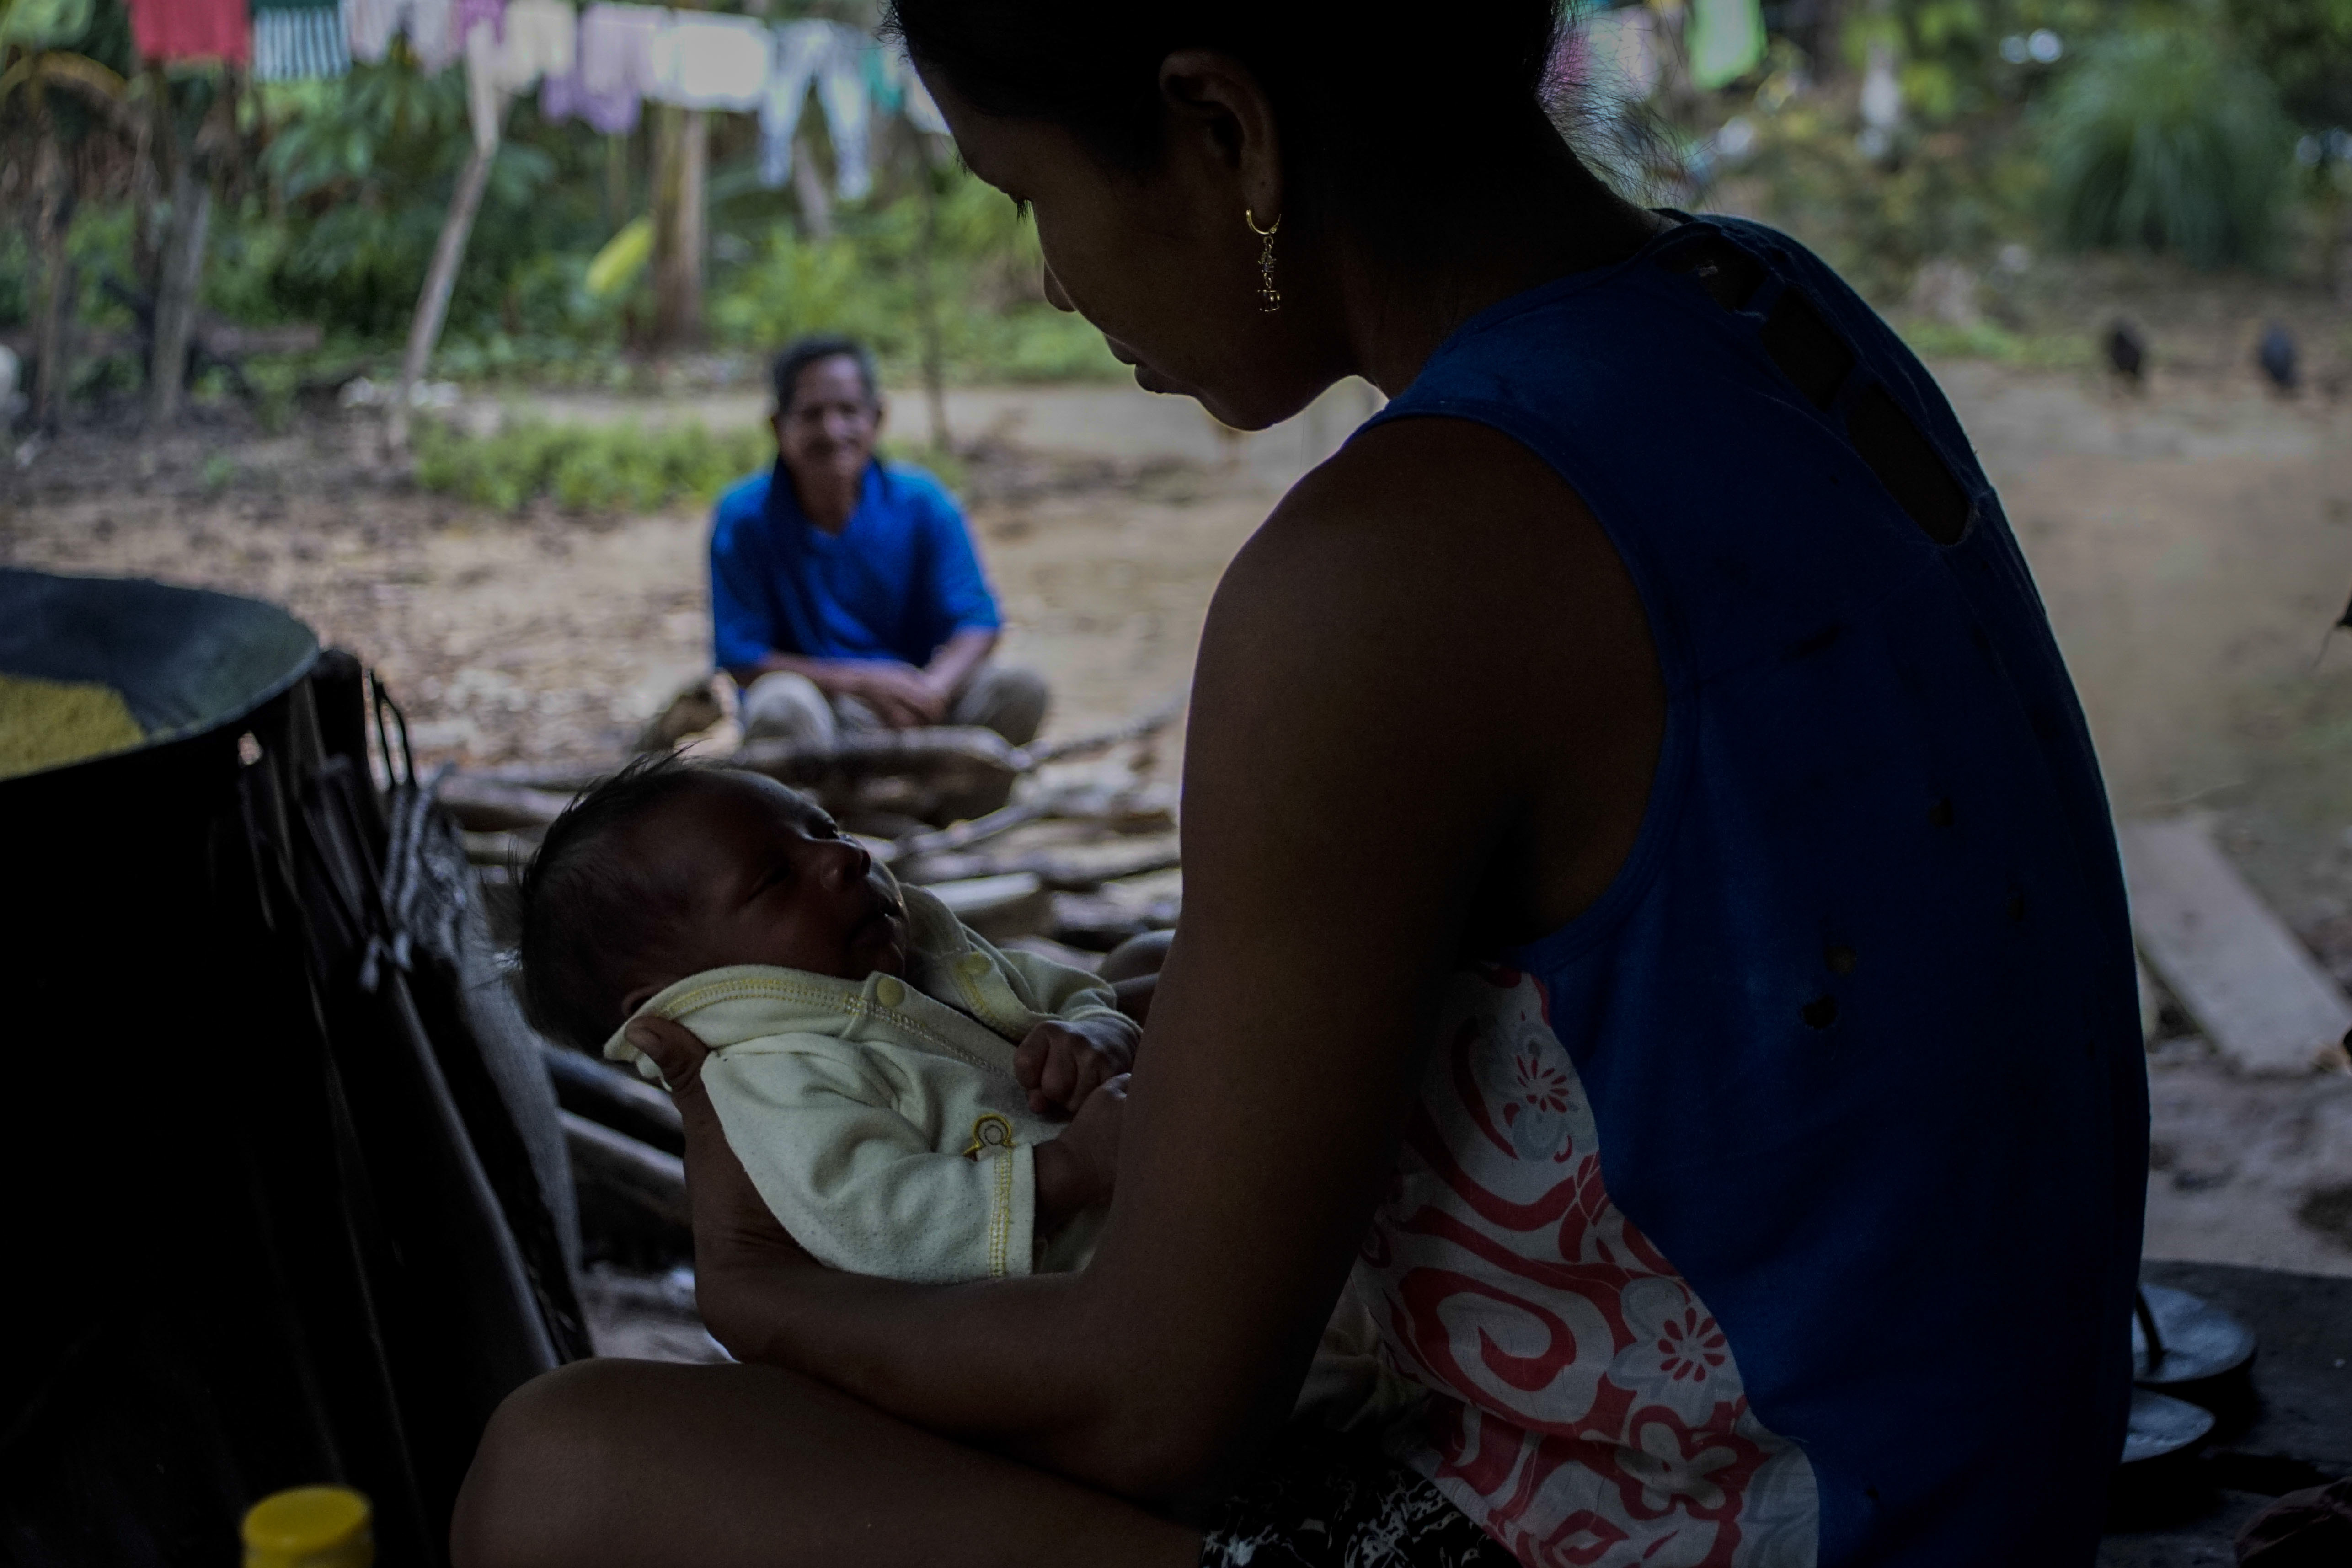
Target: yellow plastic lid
[309,1527]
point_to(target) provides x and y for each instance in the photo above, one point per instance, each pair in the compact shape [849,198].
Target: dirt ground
[2193,543]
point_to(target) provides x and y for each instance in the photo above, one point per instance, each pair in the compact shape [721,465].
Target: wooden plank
[1065,867]
[615,1165]
[997,907]
[2258,994]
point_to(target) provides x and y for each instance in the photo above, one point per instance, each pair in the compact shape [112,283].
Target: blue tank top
[1857,1022]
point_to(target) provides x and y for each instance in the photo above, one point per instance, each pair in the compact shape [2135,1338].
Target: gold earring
[1269,297]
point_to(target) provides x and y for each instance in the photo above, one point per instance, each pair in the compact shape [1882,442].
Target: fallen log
[961,834]
[942,749]
[484,805]
[1067,867]
[503,849]
[1151,723]
[997,907]
[615,1098]
[1143,809]
[618,1166]
[1100,920]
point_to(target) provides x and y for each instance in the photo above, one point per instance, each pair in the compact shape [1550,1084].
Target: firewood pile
[1081,856]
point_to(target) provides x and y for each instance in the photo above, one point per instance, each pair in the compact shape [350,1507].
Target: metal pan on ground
[2180,1337]
[2162,1426]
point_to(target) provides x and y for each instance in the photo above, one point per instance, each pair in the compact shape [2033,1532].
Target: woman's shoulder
[1410,507]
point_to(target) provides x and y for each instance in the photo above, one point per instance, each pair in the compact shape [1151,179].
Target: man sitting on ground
[845,595]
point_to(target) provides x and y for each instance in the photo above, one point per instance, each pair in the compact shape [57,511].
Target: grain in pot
[48,724]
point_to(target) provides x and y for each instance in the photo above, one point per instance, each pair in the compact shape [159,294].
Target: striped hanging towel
[299,40]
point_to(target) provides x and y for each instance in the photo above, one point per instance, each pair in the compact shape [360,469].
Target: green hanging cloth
[1726,39]
[44,24]
[299,40]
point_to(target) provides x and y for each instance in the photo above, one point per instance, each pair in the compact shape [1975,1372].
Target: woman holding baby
[1652,924]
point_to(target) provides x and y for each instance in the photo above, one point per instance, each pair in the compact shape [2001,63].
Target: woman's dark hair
[1387,123]
[586,913]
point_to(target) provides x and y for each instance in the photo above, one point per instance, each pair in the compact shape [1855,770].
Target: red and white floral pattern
[1585,1406]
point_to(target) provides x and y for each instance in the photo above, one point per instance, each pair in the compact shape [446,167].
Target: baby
[898,1089]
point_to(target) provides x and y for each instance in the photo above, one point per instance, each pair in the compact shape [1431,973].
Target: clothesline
[598,64]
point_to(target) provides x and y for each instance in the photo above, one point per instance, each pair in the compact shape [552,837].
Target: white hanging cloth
[831,58]
[711,62]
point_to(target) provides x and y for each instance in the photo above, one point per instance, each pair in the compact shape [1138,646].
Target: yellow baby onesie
[882,1125]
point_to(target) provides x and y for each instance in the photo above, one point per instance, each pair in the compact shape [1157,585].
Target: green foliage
[2305,47]
[1988,340]
[1951,64]
[357,174]
[2164,140]
[585,468]
[867,281]
[1944,195]
[607,467]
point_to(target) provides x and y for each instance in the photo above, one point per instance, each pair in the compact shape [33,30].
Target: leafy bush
[585,468]
[2305,46]
[606,467]
[2166,140]
[867,281]
[1944,195]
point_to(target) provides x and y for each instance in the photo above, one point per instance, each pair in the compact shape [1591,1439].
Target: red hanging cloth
[193,30]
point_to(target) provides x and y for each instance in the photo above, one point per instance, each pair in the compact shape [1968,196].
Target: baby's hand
[1060,1064]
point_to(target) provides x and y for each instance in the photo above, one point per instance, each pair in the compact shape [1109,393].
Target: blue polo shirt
[896,583]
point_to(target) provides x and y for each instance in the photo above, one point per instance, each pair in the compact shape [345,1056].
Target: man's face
[762,876]
[829,429]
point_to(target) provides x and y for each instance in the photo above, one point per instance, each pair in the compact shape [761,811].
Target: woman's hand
[1076,1170]
[739,1250]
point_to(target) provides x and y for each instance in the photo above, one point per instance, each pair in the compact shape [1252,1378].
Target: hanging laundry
[193,30]
[896,89]
[299,40]
[433,40]
[370,25]
[465,16]
[540,40]
[612,67]
[45,23]
[711,62]
[485,101]
[1726,39]
[835,60]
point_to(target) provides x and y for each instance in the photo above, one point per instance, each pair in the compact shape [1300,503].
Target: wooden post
[809,192]
[51,378]
[681,151]
[181,269]
[927,300]
[433,304]
[616,181]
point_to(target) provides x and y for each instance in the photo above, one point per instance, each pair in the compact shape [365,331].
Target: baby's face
[764,876]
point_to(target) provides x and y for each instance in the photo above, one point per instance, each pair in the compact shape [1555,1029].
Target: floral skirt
[1322,1500]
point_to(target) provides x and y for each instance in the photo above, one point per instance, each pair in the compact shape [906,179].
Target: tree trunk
[681,151]
[51,375]
[433,304]
[182,270]
[616,181]
[808,191]
[927,301]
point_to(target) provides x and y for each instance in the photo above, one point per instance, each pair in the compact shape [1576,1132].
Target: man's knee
[781,706]
[545,1448]
[1006,698]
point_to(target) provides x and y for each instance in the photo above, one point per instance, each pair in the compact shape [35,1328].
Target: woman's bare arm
[1425,685]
